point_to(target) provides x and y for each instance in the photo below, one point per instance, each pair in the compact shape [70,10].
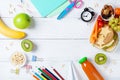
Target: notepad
[59,10]
[45,7]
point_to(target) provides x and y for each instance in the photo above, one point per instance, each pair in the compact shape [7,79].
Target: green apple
[22,21]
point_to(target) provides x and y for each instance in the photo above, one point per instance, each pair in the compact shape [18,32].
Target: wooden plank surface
[64,41]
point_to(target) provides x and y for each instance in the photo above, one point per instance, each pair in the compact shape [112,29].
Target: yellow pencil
[43,77]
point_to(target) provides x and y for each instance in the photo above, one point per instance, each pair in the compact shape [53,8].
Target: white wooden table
[64,41]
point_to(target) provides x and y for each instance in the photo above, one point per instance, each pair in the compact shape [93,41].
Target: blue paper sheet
[45,7]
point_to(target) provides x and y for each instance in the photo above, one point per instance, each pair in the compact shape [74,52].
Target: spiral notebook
[45,7]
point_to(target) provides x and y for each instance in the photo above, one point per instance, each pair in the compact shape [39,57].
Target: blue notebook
[45,7]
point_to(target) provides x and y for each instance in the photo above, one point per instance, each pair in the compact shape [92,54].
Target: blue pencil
[37,75]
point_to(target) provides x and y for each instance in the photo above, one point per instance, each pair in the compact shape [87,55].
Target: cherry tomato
[99,18]
[100,24]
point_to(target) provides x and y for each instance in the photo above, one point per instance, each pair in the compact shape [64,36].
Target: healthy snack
[104,35]
[27,45]
[107,39]
[6,31]
[114,23]
[93,36]
[117,11]
[22,21]
[107,12]
[97,27]
[90,70]
[18,59]
[100,58]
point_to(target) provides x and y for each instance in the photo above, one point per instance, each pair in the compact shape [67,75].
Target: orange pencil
[35,77]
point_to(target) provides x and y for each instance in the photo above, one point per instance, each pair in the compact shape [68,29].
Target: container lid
[82,60]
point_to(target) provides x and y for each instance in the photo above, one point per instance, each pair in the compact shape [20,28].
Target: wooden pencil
[52,74]
[58,74]
[35,77]
[44,74]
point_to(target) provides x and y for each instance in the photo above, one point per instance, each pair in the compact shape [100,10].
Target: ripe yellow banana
[5,30]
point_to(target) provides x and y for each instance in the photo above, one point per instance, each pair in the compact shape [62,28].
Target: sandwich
[106,39]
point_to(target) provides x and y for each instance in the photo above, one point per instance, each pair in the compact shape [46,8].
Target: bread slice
[112,46]
[109,36]
[107,39]
[105,36]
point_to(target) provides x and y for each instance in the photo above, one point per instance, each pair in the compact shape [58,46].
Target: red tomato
[99,18]
[100,24]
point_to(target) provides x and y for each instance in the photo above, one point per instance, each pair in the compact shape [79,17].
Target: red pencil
[50,75]
[58,74]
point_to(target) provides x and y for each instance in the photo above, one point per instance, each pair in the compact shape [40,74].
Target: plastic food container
[18,59]
[107,12]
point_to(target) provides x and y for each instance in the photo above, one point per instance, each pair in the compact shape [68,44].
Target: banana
[6,31]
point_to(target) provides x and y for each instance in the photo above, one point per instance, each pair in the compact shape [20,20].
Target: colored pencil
[58,74]
[51,73]
[44,74]
[43,77]
[37,75]
[36,78]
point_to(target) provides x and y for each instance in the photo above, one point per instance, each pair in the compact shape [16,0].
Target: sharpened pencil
[58,74]
[52,74]
[44,74]
[43,77]
[35,77]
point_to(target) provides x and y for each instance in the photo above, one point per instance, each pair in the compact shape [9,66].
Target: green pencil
[44,74]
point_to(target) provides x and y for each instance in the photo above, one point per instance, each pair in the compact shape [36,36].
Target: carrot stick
[93,36]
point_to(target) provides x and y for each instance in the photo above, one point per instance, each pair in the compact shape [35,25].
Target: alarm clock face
[87,16]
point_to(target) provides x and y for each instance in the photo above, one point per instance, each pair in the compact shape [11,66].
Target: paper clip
[35,58]
[16,71]
[28,67]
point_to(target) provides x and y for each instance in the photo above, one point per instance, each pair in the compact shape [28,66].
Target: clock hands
[86,15]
